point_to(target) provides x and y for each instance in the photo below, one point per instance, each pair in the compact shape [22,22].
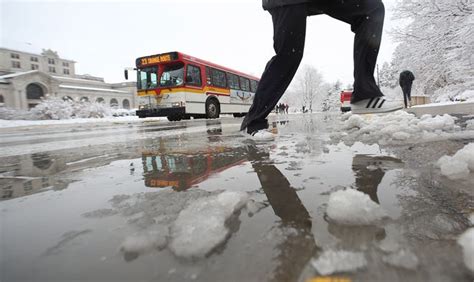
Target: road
[103,202]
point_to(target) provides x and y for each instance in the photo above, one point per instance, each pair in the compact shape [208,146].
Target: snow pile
[402,259]
[466,241]
[458,166]
[201,226]
[396,128]
[56,108]
[13,114]
[351,207]
[53,108]
[339,261]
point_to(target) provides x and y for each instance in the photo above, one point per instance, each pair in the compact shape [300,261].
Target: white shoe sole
[375,111]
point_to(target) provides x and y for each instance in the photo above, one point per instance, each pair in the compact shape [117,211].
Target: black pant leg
[405,98]
[409,87]
[366,18]
[289,31]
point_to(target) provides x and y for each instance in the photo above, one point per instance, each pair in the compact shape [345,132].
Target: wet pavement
[72,195]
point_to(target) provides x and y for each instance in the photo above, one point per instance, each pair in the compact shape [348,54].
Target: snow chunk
[458,166]
[466,155]
[354,121]
[339,261]
[466,241]
[403,259]
[145,242]
[201,226]
[445,122]
[398,127]
[351,207]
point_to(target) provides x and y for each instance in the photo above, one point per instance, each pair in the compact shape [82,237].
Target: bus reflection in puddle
[183,170]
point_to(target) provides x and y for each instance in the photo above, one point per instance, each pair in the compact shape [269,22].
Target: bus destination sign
[156,59]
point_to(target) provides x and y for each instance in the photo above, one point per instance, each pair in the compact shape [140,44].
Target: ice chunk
[467,243]
[403,259]
[201,226]
[331,262]
[351,207]
[445,122]
[354,121]
[466,155]
[459,165]
[145,242]
[454,169]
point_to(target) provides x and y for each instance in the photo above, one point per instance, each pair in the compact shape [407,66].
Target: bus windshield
[173,75]
[147,78]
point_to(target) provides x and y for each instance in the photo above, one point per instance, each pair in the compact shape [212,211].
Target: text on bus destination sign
[155,59]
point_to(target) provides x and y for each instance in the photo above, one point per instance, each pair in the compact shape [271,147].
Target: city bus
[183,170]
[179,86]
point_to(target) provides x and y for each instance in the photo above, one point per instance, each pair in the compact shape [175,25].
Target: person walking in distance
[406,82]
[366,19]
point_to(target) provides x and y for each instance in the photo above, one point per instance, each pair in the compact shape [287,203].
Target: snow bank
[331,262]
[458,166]
[53,108]
[398,128]
[466,241]
[351,207]
[201,226]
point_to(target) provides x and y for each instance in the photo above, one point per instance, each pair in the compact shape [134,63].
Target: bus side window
[233,81]
[218,78]
[244,84]
[193,75]
[208,76]
[253,86]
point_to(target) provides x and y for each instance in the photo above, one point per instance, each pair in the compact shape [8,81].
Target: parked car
[346,100]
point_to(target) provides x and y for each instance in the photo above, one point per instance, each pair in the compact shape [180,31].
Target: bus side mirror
[126,74]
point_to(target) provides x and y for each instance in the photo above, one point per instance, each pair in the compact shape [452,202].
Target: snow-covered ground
[110,119]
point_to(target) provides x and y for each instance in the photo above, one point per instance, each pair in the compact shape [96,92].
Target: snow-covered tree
[437,45]
[332,100]
[309,83]
[388,76]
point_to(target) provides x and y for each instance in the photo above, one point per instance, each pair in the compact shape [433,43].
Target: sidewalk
[451,108]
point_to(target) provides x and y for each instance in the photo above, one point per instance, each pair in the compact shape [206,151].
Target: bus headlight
[178,104]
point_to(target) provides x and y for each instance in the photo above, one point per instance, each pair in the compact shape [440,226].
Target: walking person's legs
[405,97]
[409,91]
[289,27]
[366,18]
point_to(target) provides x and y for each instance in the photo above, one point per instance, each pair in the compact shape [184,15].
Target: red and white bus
[180,86]
[182,170]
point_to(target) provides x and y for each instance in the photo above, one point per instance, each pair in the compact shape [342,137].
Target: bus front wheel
[212,108]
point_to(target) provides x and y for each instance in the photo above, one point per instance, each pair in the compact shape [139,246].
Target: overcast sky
[104,36]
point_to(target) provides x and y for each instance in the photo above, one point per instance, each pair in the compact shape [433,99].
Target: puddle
[109,215]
